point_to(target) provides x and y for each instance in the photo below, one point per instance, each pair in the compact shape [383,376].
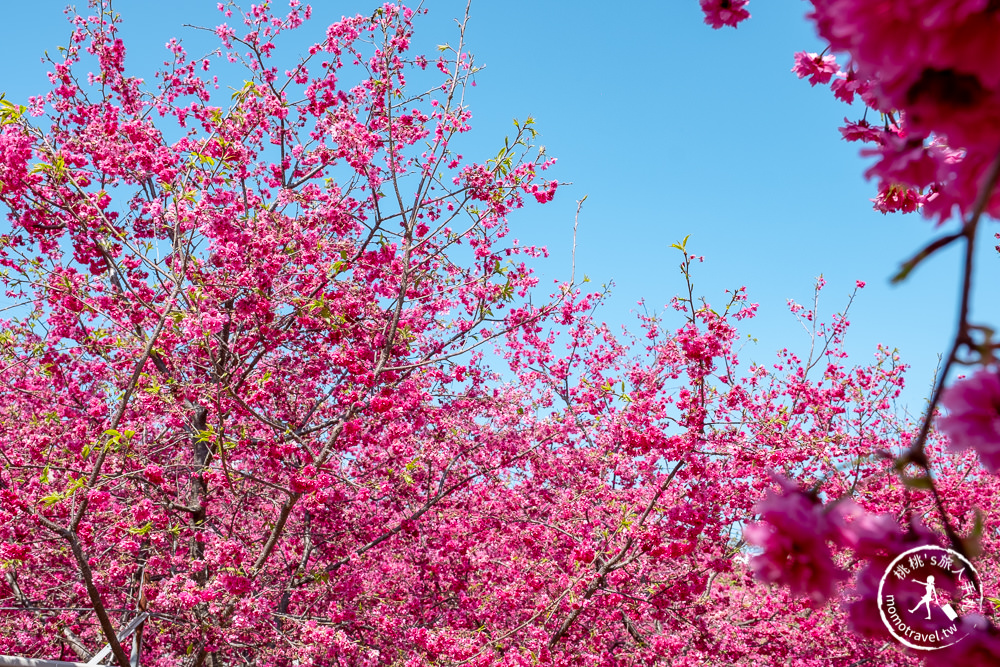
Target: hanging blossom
[934,64]
[819,69]
[936,61]
[725,12]
[847,84]
[897,198]
[974,419]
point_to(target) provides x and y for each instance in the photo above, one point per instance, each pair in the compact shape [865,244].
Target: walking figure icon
[930,594]
[948,587]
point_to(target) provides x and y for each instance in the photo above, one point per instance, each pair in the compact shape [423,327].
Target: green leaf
[141,531]
[74,485]
[918,482]
[682,245]
[10,113]
[204,159]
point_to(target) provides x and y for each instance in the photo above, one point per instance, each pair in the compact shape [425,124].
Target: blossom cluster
[931,71]
[282,378]
[933,67]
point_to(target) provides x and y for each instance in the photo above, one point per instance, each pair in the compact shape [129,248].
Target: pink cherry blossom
[846,85]
[897,198]
[862,131]
[794,539]
[973,421]
[933,66]
[314,424]
[819,69]
[980,646]
[875,540]
[720,13]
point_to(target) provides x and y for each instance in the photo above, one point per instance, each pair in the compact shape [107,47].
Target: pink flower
[846,85]
[974,419]
[910,162]
[380,404]
[934,62]
[819,69]
[724,12]
[304,481]
[795,549]
[861,131]
[875,535]
[235,584]
[13,552]
[877,539]
[979,648]
[154,474]
[897,198]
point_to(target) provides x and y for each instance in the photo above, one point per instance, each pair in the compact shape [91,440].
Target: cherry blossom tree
[280,377]
[927,70]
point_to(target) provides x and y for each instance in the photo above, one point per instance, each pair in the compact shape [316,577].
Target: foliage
[279,377]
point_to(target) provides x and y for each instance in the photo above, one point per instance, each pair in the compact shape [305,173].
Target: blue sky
[670,129]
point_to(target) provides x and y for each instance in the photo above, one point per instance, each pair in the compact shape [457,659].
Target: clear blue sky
[671,129]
